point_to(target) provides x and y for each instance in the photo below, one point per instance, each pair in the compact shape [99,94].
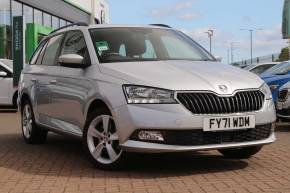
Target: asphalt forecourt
[61,166]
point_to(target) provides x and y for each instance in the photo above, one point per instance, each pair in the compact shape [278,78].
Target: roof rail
[70,25]
[162,25]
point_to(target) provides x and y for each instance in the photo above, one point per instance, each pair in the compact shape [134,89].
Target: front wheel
[240,153]
[101,140]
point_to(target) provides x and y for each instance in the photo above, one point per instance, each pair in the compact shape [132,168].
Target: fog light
[150,136]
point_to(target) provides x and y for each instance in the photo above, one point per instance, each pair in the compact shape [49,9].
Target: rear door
[43,73]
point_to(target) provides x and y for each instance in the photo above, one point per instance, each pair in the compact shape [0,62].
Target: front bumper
[283,109]
[145,147]
[130,118]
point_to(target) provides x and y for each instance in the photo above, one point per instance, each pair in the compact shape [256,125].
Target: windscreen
[282,68]
[9,63]
[145,44]
[249,67]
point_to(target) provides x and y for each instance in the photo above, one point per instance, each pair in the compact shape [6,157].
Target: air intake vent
[209,103]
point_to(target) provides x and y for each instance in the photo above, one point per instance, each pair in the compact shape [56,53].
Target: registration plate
[229,123]
[279,106]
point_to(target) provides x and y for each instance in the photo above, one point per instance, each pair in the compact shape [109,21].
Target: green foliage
[284,55]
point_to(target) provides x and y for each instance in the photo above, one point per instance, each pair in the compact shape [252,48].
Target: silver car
[148,89]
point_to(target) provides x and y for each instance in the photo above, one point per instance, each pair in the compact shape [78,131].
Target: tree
[284,55]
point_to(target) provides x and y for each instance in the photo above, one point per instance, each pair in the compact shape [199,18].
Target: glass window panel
[28,14]
[51,50]
[5,30]
[37,17]
[177,48]
[40,57]
[74,43]
[16,9]
[46,20]
[4,12]
[37,54]
[9,74]
[62,23]
[55,22]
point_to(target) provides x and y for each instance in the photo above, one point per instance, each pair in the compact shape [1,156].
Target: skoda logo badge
[223,88]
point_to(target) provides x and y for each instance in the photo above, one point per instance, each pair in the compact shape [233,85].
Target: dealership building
[43,16]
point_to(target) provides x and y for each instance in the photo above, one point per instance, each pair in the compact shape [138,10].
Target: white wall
[101,9]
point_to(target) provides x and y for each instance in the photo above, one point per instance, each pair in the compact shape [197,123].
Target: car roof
[127,26]
[102,26]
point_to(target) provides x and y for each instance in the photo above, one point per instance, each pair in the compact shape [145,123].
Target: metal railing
[257,60]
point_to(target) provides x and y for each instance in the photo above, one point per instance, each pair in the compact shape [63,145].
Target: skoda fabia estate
[147,89]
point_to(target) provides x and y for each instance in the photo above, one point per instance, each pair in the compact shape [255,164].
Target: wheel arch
[14,98]
[23,97]
[96,103]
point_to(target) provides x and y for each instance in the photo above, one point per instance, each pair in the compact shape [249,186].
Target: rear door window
[40,56]
[37,53]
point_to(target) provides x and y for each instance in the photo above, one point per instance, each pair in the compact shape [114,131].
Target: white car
[260,68]
[148,89]
[8,93]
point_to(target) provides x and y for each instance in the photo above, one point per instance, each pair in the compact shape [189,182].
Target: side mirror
[72,61]
[218,58]
[3,74]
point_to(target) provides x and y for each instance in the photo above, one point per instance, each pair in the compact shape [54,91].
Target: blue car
[276,77]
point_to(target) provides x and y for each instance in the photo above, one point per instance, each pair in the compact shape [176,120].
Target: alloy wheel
[103,140]
[27,121]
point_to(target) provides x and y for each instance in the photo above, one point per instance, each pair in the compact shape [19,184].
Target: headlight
[266,91]
[273,87]
[148,95]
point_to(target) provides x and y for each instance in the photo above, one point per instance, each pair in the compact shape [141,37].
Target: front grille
[199,137]
[209,103]
[282,95]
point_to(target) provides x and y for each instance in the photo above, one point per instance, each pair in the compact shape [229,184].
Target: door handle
[52,82]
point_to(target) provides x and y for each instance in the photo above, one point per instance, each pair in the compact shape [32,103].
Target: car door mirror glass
[3,74]
[72,61]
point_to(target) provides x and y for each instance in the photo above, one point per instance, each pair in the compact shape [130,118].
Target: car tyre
[14,100]
[101,141]
[32,134]
[240,153]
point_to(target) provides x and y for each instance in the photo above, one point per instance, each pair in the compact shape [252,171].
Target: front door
[71,89]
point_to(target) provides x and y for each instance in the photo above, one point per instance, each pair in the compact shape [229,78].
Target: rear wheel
[101,140]
[240,153]
[31,133]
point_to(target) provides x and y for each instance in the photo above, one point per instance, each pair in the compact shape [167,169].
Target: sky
[225,17]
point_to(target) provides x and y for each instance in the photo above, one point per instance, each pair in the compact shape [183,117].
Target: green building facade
[41,17]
